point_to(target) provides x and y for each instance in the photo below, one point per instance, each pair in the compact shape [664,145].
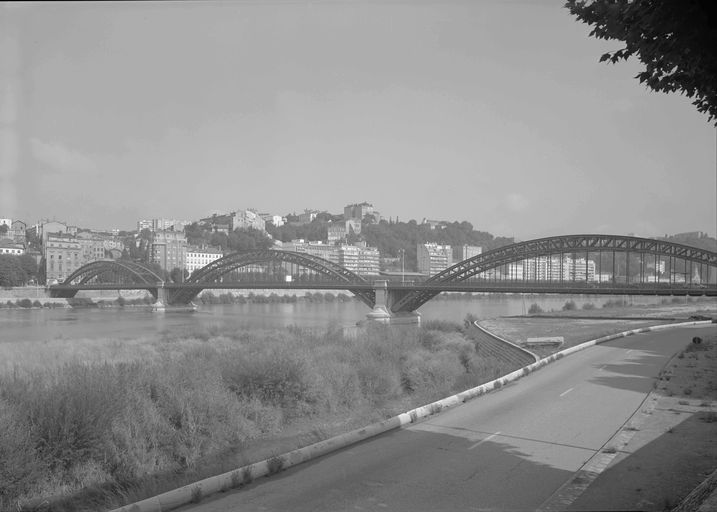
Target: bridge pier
[161,303]
[381,312]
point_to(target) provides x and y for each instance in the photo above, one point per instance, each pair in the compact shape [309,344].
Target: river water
[20,325]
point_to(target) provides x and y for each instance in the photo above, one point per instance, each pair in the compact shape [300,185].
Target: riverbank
[116,421]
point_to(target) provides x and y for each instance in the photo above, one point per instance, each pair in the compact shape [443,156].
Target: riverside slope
[508,450]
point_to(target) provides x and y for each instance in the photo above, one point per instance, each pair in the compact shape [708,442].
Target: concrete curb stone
[233,479]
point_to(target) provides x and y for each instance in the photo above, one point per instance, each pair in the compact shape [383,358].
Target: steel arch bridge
[108,274]
[689,270]
[334,275]
[547,248]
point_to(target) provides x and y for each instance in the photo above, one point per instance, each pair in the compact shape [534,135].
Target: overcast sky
[495,112]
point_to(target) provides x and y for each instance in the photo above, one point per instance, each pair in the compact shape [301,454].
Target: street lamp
[403,254]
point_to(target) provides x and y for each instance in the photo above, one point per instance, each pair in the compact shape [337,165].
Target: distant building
[91,248]
[45,228]
[199,257]
[433,258]
[98,246]
[464,252]
[433,224]
[275,220]
[169,249]
[63,255]
[353,226]
[308,216]
[359,211]
[337,232]
[162,224]
[555,268]
[356,258]
[360,259]
[18,231]
[219,223]
[245,219]
[144,224]
[7,246]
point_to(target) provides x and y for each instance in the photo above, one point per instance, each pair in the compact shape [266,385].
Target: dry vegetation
[102,422]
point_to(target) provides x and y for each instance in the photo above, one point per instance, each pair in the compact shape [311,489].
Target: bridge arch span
[217,269]
[555,246]
[122,271]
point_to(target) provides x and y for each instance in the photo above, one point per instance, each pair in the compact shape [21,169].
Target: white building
[356,258]
[199,257]
[433,258]
[8,247]
[554,268]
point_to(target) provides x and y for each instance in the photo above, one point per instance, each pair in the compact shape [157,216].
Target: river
[37,325]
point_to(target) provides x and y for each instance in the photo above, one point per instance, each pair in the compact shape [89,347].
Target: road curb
[193,493]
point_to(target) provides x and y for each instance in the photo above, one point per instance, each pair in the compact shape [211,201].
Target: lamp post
[403,255]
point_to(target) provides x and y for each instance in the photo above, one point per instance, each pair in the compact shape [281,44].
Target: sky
[495,112]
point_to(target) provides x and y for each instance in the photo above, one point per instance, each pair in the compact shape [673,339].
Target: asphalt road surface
[508,450]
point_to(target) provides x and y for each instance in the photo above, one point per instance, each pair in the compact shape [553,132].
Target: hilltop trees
[674,40]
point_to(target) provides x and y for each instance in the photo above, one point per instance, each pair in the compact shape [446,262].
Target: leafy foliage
[674,40]
[12,272]
[393,237]
[238,240]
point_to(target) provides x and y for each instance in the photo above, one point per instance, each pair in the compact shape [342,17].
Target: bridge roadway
[508,450]
[572,288]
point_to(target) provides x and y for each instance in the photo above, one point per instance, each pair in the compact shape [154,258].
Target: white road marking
[566,392]
[484,440]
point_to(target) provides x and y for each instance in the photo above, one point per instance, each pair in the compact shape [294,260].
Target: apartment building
[63,255]
[356,258]
[554,268]
[169,249]
[199,257]
[433,258]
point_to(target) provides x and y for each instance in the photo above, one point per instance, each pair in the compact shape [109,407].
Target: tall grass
[112,425]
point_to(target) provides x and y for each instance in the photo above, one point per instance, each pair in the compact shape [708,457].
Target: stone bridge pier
[382,313]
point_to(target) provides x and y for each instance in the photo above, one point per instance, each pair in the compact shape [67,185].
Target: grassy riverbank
[98,422]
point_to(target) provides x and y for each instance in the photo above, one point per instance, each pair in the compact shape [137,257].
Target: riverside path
[509,450]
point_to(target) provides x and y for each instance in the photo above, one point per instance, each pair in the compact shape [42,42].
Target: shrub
[469,320]
[24,303]
[430,373]
[441,325]
[588,306]
[569,306]
[534,309]
[81,302]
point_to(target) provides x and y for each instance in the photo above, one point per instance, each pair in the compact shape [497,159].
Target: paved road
[509,450]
